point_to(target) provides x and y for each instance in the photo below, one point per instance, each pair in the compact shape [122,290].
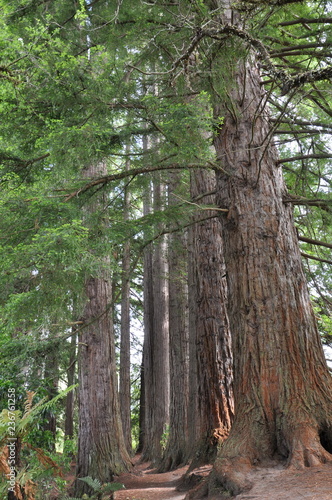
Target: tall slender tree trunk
[156,344]
[177,443]
[51,374]
[141,424]
[211,363]
[69,413]
[101,447]
[282,387]
[125,332]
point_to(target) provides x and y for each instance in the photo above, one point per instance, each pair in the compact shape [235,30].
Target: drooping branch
[313,257]
[319,100]
[287,82]
[102,181]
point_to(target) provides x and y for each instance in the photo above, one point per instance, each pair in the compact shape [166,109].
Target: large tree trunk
[211,412]
[156,343]
[101,448]
[177,443]
[282,387]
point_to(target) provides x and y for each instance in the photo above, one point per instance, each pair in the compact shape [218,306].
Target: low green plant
[164,437]
[37,467]
[101,491]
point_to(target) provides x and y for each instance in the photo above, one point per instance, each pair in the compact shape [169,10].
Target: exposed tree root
[306,450]
[199,492]
[232,475]
[172,461]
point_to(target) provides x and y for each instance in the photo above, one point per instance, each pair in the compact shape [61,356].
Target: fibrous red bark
[176,445]
[101,448]
[211,391]
[156,341]
[282,387]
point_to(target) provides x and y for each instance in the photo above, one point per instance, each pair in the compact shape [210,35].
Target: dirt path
[275,483]
[145,483]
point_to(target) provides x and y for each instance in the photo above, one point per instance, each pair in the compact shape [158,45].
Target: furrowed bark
[211,399]
[124,392]
[101,449]
[177,442]
[156,342]
[282,387]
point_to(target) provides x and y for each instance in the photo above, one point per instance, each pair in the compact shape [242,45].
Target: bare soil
[145,483]
[277,483]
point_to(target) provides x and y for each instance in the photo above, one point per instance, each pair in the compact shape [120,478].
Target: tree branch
[287,82]
[132,173]
[305,157]
[303,20]
[323,204]
[313,45]
[307,77]
[302,123]
[307,256]
[20,162]
[315,242]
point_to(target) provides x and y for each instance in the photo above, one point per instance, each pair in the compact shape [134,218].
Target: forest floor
[276,483]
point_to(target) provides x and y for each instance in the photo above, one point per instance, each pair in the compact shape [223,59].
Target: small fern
[32,411]
[93,483]
[97,487]
[111,487]
[70,498]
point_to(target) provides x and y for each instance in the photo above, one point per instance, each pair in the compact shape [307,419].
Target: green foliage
[38,468]
[177,121]
[23,421]
[165,437]
[100,489]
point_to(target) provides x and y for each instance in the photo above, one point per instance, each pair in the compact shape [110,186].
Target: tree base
[233,474]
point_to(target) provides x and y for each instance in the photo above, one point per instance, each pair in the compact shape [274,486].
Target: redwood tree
[211,392]
[156,337]
[282,387]
[101,448]
[125,385]
[175,452]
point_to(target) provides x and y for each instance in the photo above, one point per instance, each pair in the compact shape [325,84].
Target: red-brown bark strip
[282,387]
